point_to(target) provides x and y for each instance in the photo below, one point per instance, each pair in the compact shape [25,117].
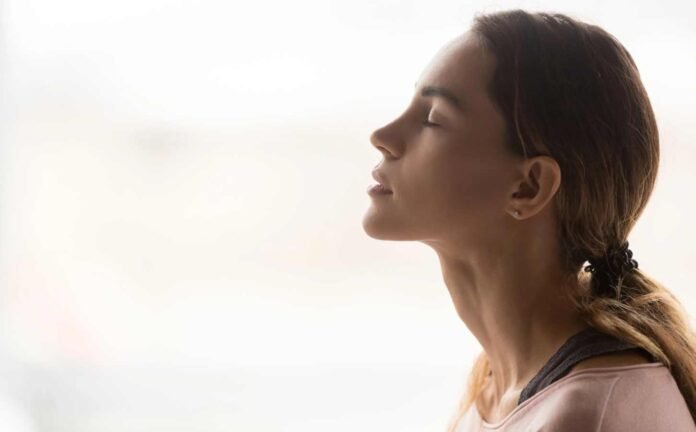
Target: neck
[519,314]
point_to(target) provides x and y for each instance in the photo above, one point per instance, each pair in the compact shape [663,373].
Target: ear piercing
[517,213]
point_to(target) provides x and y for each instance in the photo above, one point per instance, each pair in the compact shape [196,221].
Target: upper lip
[381,179]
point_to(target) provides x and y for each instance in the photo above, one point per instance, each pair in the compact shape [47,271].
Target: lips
[381,179]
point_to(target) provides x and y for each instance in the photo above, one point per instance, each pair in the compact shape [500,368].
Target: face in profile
[444,157]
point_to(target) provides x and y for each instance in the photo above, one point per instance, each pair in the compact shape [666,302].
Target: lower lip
[378,189]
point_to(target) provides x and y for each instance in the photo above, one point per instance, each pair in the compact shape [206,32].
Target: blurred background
[182,185]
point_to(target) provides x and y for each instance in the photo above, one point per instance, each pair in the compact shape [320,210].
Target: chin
[376,228]
[382,229]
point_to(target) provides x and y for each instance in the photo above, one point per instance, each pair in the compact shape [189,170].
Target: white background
[182,185]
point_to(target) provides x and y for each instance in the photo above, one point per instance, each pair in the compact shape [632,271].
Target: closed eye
[427,123]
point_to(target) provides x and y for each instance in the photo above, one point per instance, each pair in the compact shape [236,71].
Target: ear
[538,181]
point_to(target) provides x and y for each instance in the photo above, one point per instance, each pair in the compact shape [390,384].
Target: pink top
[635,398]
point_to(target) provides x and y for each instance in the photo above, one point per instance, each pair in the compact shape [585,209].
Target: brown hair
[570,90]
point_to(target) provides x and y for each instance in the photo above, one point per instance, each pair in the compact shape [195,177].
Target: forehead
[461,66]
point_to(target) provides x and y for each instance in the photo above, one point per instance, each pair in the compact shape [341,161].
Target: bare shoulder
[623,358]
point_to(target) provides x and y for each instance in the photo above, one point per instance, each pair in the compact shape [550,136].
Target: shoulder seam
[606,403]
[609,369]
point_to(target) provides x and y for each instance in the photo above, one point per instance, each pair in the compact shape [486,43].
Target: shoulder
[635,398]
[623,358]
[647,400]
[631,398]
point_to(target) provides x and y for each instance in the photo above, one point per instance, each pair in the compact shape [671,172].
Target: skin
[456,189]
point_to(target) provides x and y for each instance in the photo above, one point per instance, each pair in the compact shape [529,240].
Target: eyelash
[426,122]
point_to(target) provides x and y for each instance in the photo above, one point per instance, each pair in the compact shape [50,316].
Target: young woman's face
[444,157]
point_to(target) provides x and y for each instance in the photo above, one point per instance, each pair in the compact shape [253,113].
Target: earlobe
[542,176]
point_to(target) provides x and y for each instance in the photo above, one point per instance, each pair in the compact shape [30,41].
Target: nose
[384,140]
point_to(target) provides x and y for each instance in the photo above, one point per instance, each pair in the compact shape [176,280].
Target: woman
[529,148]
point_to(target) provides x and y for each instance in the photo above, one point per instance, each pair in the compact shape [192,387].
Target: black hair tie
[616,262]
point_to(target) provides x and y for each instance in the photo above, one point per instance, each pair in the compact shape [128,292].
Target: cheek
[441,177]
[431,173]
[469,187]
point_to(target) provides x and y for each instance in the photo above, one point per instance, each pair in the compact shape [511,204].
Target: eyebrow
[441,92]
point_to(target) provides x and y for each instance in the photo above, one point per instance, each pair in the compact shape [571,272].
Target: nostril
[387,154]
